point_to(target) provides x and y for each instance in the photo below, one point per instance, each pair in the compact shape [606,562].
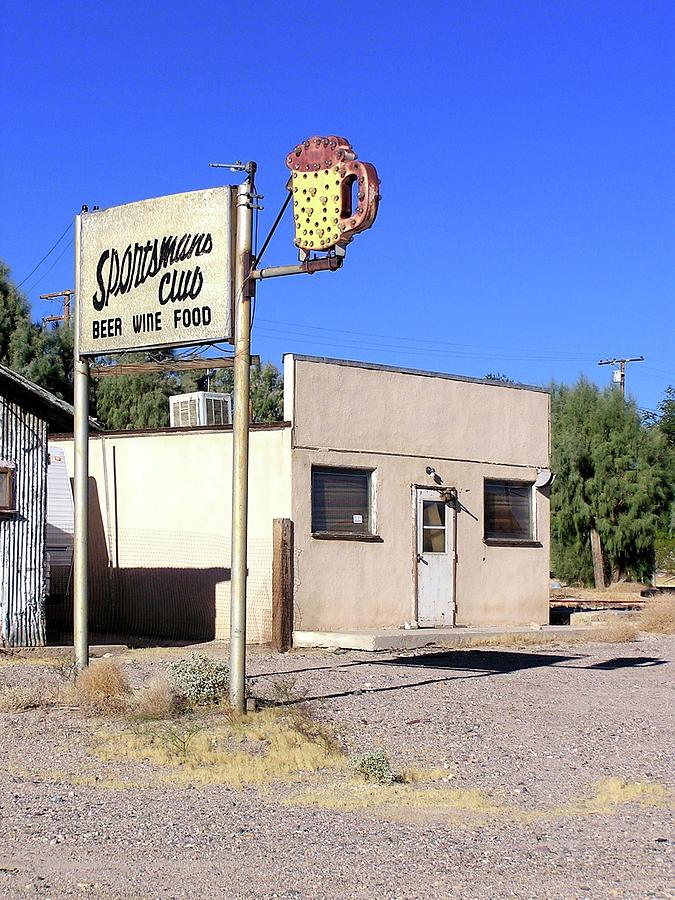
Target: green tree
[666,422]
[267,389]
[123,402]
[44,355]
[267,393]
[15,323]
[612,476]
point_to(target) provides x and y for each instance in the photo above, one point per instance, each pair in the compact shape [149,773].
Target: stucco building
[413,495]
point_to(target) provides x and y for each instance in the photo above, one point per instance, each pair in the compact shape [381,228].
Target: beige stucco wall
[398,424]
[165,516]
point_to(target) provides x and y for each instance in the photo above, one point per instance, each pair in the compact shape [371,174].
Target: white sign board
[157,273]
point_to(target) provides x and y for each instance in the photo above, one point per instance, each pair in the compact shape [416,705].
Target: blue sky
[525,152]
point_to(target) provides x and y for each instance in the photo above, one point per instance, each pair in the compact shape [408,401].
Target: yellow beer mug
[334,195]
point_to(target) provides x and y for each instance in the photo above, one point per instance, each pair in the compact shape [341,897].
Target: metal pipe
[81,486]
[309,267]
[240,428]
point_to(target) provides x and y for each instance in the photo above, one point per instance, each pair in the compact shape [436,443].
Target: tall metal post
[242,392]
[81,487]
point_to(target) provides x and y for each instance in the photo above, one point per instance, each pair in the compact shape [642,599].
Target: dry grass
[536,639]
[355,795]
[157,700]
[414,775]
[101,689]
[614,633]
[17,699]
[611,793]
[658,616]
[270,746]
[394,800]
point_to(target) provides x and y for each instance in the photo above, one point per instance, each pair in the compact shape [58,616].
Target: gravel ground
[533,730]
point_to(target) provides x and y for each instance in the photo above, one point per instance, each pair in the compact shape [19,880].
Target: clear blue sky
[525,152]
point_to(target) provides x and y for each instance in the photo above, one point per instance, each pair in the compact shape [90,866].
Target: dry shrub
[658,616]
[157,700]
[102,688]
[614,633]
[17,699]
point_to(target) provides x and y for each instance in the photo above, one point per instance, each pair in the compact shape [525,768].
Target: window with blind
[508,511]
[341,501]
[6,489]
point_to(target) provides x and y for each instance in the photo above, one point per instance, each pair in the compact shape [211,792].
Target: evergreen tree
[267,389]
[123,402]
[44,355]
[267,393]
[667,418]
[15,323]
[612,476]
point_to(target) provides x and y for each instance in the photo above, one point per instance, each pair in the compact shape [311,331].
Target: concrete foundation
[404,639]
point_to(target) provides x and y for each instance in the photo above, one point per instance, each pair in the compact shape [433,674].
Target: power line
[51,250]
[459,349]
[42,277]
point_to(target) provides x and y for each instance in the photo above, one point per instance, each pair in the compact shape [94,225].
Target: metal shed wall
[23,440]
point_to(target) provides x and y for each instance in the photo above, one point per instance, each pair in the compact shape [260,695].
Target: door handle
[421,559]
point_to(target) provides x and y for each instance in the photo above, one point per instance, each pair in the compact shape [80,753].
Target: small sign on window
[357,520]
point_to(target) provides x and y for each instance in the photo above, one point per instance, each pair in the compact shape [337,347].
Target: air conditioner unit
[200,408]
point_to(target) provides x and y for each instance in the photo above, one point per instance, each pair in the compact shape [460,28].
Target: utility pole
[244,288]
[65,318]
[81,483]
[622,369]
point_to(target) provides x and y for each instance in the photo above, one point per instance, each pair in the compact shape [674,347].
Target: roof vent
[200,408]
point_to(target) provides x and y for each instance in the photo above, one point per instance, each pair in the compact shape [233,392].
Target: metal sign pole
[242,392]
[81,487]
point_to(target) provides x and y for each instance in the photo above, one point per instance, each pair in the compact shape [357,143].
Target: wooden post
[282,584]
[598,568]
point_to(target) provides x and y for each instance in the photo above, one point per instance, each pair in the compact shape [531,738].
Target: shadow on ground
[462,664]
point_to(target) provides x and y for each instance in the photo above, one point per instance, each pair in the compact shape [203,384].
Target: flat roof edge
[382,367]
[189,429]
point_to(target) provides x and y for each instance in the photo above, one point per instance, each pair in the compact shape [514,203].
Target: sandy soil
[520,741]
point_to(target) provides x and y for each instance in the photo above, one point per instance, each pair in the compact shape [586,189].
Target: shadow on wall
[150,599]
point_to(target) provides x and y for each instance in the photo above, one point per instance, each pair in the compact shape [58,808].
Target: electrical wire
[335,338]
[51,250]
[44,274]
[557,355]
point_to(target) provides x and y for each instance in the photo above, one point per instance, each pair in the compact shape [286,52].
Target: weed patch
[264,748]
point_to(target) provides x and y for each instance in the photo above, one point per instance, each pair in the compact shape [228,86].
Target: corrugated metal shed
[26,413]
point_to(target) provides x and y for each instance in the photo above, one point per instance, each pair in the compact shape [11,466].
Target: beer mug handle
[367,199]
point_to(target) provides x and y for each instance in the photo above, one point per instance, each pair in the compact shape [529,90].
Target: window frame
[532,539]
[370,534]
[8,469]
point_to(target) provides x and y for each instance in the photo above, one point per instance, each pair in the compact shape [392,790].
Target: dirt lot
[532,773]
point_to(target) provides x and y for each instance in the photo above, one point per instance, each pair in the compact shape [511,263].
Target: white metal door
[435,558]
